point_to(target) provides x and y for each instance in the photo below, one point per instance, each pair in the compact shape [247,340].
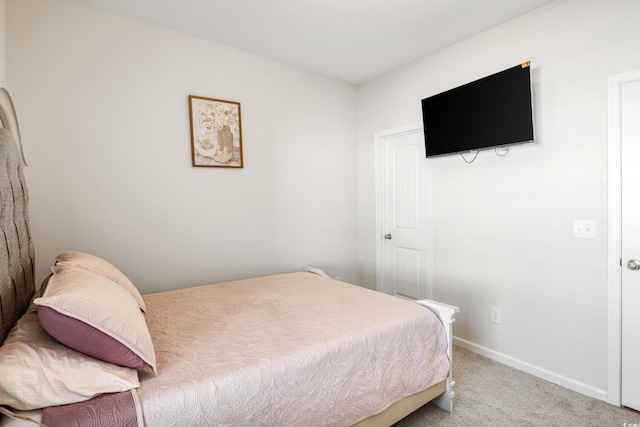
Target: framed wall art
[216,133]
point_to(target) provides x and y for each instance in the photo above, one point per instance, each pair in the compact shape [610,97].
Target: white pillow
[37,371]
[102,267]
[83,302]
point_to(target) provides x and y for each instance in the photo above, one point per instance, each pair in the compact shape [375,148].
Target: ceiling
[350,40]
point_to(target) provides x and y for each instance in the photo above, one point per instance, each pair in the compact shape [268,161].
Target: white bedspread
[286,350]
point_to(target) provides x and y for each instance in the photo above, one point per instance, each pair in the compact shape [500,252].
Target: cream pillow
[37,371]
[95,316]
[102,267]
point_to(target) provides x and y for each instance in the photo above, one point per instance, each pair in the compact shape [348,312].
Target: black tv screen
[490,112]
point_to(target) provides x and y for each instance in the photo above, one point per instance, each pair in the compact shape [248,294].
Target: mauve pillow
[95,316]
[86,339]
[37,371]
[44,284]
[102,267]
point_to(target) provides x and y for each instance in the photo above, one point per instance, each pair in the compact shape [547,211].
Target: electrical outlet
[584,229]
[496,315]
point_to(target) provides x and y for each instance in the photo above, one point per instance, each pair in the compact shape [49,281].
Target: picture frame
[216,133]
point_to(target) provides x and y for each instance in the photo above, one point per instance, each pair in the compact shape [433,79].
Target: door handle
[389,237]
[633,264]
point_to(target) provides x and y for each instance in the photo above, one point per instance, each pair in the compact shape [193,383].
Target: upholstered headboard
[17,256]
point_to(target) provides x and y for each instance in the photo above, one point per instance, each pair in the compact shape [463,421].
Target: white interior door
[630,290]
[403,236]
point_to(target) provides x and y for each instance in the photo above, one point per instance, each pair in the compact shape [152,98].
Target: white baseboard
[545,374]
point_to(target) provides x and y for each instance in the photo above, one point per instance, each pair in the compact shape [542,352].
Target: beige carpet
[489,393]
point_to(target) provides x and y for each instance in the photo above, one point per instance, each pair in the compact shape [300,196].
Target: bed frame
[17,281]
[17,278]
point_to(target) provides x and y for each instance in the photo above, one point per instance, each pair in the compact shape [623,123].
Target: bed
[288,349]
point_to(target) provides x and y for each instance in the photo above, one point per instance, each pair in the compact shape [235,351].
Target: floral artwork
[216,133]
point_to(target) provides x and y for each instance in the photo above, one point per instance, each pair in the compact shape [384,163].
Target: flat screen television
[490,112]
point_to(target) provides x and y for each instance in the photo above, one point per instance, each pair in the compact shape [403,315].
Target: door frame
[614,151]
[380,138]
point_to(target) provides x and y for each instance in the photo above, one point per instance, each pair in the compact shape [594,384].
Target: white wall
[502,227]
[105,120]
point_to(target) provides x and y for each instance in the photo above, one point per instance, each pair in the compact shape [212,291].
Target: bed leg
[445,400]
[445,313]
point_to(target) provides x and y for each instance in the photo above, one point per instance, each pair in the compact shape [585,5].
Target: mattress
[291,349]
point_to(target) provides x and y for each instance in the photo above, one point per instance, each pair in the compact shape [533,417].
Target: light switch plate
[584,229]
